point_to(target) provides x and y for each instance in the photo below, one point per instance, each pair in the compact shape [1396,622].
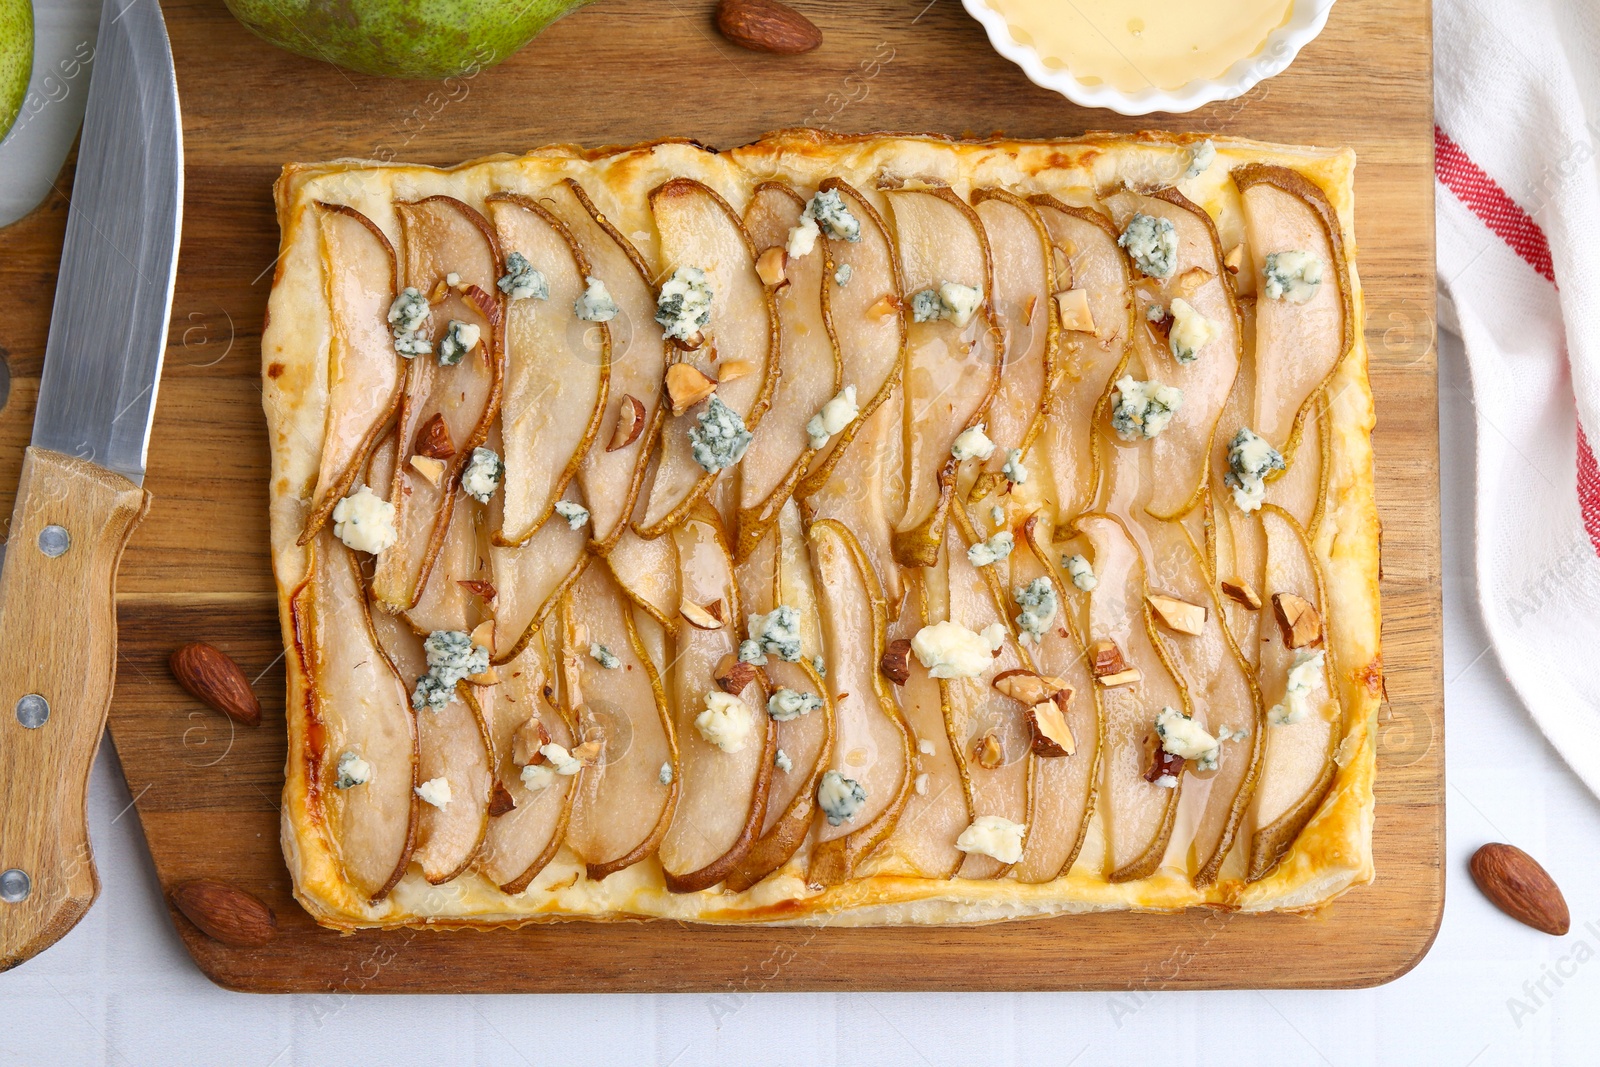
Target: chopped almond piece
[483,635]
[887,304]
[484,590]
[433,439]
[587,753]
[1298,619]
[1051,734]
[1242,591]
[987,752]
[1234,259]
[1073,307]
[702,618]
[687,386]
[1179,615]
[1105,658]
[1191,280]
[530,737]
[429,468]
[1028,688]
[896,662]
[500,801]
[630,423]
[1122,677]
[733,369]
[771,264]
[733,675]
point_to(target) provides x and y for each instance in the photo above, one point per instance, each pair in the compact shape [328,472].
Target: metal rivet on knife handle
[54,541]
[33,710]
[15,885]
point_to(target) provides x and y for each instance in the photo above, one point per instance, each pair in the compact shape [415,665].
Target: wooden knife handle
[58,659]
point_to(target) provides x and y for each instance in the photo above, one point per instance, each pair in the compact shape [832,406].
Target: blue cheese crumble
[820,666]
[972,443]
[727,721]
[1078,569]
[1152,243]
[664,775]
[828,209]
[459,339]
[1038,602]
[483,474]
[1201,156]
[1014,471]
[720,439]
[451,657]
[1191,331]
[997,548]
[1293,276]
[408,313]
[802,238]
[1250,460]
[787,704]
[364,521]
[1143,409]
[353,771]
[603,656]
[783,762]
[993,836]
[1181,736]
[952,301]
[575,514]
[1305,677]
[834,416]
[949,650]
[594,304]
[521,281]
[841,277]
[777,632]
[435,791]
[840,797]
[684,305]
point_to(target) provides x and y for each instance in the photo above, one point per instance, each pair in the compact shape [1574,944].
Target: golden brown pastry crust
[1331,855]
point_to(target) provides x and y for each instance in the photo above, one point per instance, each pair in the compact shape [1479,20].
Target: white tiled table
[120,989]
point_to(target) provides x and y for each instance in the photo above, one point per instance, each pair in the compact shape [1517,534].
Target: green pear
[402,38]
[16,58]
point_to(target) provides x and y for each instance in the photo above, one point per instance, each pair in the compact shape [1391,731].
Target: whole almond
[225,912]
[1518,886]
[767,26]
[210,674]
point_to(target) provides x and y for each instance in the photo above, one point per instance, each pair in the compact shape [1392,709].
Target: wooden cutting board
[628,70]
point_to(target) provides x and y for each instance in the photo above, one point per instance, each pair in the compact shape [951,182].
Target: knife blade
[80,495]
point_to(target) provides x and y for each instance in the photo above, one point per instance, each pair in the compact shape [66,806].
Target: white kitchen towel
[1517,107]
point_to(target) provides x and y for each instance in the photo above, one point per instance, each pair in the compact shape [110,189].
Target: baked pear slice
[558,368]
[809,373]
[441,236]
[620,807]
[524,709]
[866,314]
[952,366]
[923,842]
[648,572]
[1139,812]
[1024,284]
[1182,451]
[725,759]
[360,277]
[988,730]
[1302,334]
[613,469]
[1221,687]
[365,768]
[1064,786]
[448,601]
[698,229]
[1092,277]
[776,573]
[1303,730]
[859,491]
[872,746]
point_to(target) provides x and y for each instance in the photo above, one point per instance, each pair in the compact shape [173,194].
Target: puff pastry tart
[864,530]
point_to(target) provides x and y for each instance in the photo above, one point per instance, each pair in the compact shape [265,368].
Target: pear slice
[1183,450]
[364,371]
[620,808]
[648,572]
[923,842]
[699,229]
[978,715]
[453,744]
[1221,687]
[858,493]
[1298,766]
[1064,787]
[1298,345]
[442,236]
[446,604]
[867,317]
[523,841]
[777,573]
[951,372]
[558,369]
[611,478]
[1086,256]
[872,742]
[722,802]
[363,707]
[1138,814]
[809,373]
[1024,289]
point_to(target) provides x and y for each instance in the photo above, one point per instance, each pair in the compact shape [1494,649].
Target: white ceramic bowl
[1306,19]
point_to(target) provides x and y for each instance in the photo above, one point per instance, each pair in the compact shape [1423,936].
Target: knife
[81,495]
